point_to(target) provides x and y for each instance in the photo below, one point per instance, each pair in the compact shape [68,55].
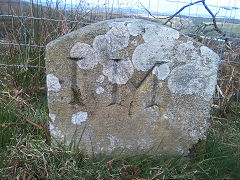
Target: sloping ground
[9,6]
[25,149]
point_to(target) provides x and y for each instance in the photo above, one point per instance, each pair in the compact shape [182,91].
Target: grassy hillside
[26,149]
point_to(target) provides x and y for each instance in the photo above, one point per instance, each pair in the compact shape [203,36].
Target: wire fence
[27,26]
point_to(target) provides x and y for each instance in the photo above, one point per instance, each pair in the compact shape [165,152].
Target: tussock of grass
[26,151]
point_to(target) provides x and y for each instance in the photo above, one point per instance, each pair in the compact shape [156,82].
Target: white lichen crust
[117,37]
[161,71]
[53,83]
[52,117]
[99,90]
[56,133]
[85,55]
[79,117]
[158,47]
[119,72]
[100,79]
[191,79]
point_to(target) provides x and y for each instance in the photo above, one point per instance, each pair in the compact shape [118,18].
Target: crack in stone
[76,94]
[76,58]
[61,81]
[115,66]
[151,105]
[154,90]
[77,97]
[114,94]
[130,108]
[115,104]
[157,63]
[116,60]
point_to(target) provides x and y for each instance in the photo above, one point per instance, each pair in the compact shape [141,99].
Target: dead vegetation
[25,149]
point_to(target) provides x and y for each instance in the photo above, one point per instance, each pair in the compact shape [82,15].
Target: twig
[40,127]
[149,11]
[180,10]
[146,9]
[202,27]
[216,28]
[213,18]
[34,124]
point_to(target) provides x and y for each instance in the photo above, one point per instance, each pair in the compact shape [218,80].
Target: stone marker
[129,84]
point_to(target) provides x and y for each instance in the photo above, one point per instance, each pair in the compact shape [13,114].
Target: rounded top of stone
[108,24]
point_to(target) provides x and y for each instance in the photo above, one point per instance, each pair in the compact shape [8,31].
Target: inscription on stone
[129,84]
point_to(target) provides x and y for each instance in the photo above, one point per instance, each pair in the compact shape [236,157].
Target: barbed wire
[41,18]
[39,46]
[210,5]
[21,66]
[226,61]
[20,44]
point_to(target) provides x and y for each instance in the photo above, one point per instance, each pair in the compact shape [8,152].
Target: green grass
[26,151]
[229,28]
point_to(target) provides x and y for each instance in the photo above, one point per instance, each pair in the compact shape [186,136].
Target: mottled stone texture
[129,84]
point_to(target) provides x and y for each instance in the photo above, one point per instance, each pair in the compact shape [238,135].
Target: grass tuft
[26,150]
[25,153]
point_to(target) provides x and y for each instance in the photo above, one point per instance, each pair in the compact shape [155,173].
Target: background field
[26,150]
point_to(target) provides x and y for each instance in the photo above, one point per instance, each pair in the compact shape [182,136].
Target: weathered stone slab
[130,84]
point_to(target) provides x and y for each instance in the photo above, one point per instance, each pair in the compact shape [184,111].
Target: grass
[231,29]
[27,152]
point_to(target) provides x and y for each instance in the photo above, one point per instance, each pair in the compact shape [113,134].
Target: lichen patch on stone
[187,79]
[117,37]
[115,65]
[160,34]
[119,72]
[56,133]
[135,28]
[108,46]
[51,126]
[161,71]
[184,51]
[85,55]
[146,55]
[52,117]
[101,46]
[79,117]
[53,83]
[192,79]
[99,90]
[114,142]
[210,58]
[208,53]
[100,79]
